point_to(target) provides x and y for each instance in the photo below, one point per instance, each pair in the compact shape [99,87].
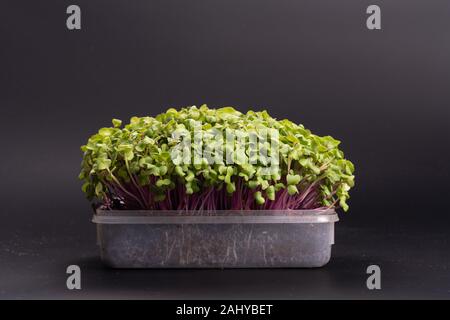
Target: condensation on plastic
[215,239]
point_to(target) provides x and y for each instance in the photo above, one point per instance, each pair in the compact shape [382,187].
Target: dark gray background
[383,93]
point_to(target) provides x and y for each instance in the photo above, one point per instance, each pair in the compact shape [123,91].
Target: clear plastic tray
[215,239]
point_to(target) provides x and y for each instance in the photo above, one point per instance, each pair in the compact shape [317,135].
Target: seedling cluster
[142,165]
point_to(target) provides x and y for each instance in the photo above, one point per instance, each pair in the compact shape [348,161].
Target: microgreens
[139,166]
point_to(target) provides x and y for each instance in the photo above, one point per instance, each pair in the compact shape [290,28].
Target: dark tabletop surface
[414,262]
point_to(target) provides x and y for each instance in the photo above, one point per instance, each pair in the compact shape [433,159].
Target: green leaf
[85,187]
[231,187]
[162,182]
[293,179]
[124,147]
[179,171]
[116,123]
[162,170]
[259,198]
[271,193]
[103,164]
[190,176]
[279,186]
[343,204]
[106,132]
[292,190]
[98,189]
[128,155]
[253,184]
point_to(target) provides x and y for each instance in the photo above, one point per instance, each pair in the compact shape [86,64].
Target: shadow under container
[215,239]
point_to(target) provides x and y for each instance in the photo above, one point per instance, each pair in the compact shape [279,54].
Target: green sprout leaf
[259,198]
[103,164]
[292,190]
[116,123]
[293,179]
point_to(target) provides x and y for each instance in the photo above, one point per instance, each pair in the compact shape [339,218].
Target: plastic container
[215,239]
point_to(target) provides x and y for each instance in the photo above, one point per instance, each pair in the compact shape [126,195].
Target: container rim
[213,217]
